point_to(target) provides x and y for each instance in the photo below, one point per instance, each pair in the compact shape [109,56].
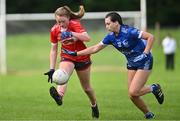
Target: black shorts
[79,66]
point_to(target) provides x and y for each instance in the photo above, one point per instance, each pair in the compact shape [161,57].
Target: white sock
[93,105]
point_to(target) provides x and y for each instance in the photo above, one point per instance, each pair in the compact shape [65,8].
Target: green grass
[24,91]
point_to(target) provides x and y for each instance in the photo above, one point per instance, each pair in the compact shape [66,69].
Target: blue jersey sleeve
[135,33]
[106,40]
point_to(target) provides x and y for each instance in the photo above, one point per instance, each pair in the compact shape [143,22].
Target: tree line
[166,12]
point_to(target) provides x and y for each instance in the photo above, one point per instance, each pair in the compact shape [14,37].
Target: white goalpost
[143,15]
[3,67]
[139,18]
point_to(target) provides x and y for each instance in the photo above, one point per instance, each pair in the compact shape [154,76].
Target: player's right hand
[69,52]
[50,74]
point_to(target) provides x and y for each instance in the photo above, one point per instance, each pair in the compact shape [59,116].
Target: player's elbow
[87,39]
[151,37]
[96,49]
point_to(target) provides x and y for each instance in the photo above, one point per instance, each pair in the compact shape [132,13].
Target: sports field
[24,92]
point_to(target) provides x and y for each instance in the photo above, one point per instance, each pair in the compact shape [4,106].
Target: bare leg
[84,77]
[136,82]
[68,67]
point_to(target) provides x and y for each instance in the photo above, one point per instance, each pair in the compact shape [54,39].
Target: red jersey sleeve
[76,26]
[54,34]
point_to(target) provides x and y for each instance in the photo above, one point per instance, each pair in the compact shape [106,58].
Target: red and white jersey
[74,26]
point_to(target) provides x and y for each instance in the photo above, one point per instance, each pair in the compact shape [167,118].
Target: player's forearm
[150,41]
[53,56]
[81,36]
[89,50]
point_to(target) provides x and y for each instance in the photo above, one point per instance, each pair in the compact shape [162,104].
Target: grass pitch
[24,92]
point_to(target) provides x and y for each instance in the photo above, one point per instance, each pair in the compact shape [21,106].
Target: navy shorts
[79,66]
[144,64]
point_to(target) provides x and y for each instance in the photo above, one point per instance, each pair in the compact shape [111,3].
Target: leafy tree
[167,12]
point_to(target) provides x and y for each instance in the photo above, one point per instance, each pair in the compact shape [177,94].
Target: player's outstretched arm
[89,50]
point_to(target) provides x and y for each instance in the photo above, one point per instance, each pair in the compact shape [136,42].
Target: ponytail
[66,11]
[78,14]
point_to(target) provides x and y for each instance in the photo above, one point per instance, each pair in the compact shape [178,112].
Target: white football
[60,77]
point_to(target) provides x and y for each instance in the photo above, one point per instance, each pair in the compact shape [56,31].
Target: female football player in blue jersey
[130,42]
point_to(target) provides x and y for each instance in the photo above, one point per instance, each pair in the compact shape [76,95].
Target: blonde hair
[66,11]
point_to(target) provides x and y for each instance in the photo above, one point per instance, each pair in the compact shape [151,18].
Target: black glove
[69,52]
[50,74]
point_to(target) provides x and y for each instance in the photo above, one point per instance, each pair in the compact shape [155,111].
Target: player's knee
[133,93]
[87,89]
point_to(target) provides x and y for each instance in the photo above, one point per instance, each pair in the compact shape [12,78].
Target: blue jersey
[130,43]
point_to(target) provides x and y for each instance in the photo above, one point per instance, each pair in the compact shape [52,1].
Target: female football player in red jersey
[69,32]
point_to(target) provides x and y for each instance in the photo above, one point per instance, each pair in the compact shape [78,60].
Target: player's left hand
[66,35]
[140,57]
[145,54]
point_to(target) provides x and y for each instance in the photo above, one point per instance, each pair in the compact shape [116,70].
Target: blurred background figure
[169,48]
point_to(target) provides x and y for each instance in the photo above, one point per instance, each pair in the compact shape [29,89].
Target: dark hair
[114,17]
[66,11]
